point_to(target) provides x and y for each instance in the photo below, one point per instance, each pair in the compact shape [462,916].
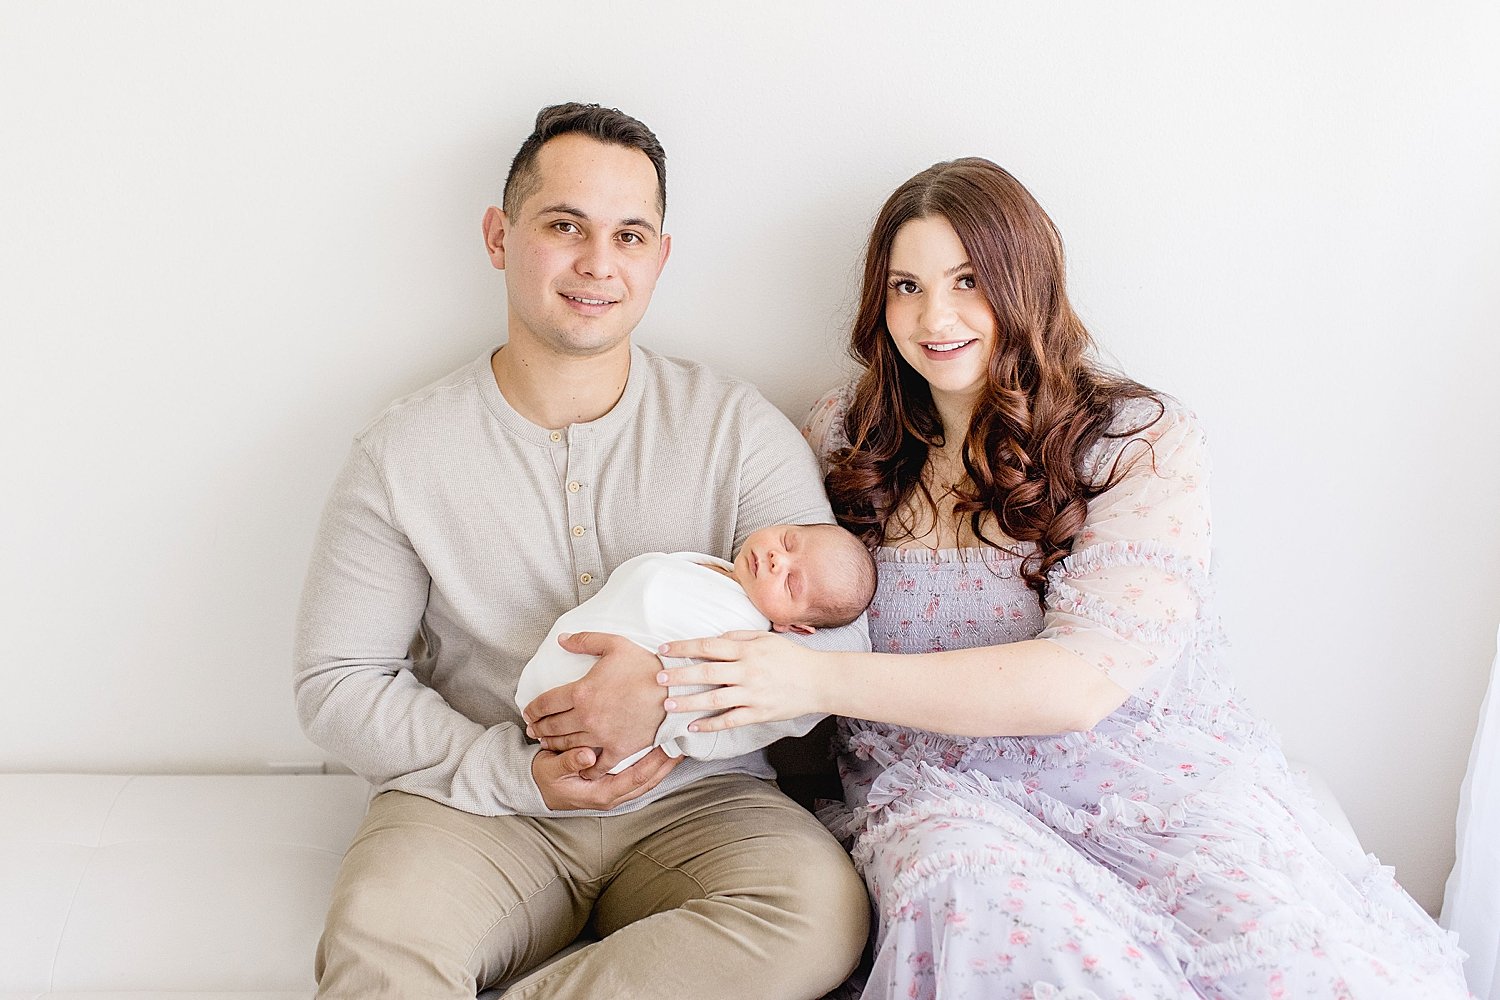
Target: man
[468,516]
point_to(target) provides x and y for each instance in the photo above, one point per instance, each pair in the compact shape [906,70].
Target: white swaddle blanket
[654,598]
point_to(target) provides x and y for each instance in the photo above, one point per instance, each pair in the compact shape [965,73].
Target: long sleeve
[356,693]
[779,484]
[1127,598]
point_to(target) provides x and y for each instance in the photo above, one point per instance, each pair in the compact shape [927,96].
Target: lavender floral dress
[1168,852]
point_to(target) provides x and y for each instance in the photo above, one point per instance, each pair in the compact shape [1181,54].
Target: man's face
[582,257]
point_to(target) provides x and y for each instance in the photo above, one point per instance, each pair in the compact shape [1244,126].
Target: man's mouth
[585,300]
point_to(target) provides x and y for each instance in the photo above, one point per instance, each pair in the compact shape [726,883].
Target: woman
[1053,790]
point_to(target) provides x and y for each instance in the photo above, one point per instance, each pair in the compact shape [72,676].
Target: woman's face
[937,317]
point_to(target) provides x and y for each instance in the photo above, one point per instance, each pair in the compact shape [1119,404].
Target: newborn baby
[788,577]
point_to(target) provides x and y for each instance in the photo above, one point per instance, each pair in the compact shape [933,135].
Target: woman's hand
[763,677]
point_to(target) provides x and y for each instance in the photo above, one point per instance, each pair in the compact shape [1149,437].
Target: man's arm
[357,697]
[780,483]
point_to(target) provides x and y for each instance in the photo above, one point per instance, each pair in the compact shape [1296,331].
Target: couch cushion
[168,883]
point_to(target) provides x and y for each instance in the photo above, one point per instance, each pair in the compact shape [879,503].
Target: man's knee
[826,910]
[375,944]
[419,903]
[840,907]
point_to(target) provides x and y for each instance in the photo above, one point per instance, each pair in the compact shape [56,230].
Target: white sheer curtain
[1471,904]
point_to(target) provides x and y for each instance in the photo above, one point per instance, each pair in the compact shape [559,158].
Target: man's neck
[553,391]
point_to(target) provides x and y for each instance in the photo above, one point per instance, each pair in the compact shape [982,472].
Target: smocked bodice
[929,601]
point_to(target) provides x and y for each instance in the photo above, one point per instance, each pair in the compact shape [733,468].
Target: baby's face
[782,569]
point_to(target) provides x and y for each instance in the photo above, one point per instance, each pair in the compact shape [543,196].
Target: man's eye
[632,239]
[565,227]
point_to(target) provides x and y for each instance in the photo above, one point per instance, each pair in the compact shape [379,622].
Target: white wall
[231,232]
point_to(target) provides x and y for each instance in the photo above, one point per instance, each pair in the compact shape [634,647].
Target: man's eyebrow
[563,208]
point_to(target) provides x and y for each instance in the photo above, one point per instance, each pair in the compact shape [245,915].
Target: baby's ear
[799,629]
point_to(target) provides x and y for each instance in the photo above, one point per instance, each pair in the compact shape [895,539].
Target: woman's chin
[954,387]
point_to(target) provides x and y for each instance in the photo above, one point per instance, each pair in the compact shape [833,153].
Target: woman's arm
[1118,610]
[1030,688]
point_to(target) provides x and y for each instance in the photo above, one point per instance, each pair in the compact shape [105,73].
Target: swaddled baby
[788,577]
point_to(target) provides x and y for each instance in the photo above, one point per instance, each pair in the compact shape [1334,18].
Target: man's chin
[588,343]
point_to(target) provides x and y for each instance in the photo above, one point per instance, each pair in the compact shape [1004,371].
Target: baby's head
[806,576]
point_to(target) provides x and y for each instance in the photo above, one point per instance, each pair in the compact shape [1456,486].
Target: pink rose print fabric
[1167,853]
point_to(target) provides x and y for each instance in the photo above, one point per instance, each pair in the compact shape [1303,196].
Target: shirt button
[574,486]
[555,435]
[577,531]
[585,578]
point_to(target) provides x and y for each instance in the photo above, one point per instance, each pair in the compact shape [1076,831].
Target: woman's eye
[904,286]
[967,281]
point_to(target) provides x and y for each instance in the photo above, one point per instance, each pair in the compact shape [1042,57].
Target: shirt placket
[583,521]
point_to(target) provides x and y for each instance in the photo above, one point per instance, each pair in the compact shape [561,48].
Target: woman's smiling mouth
[947,348]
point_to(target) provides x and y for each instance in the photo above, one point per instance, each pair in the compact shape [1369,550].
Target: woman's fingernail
[693,728]
[669,704]
[662,648]
[661,678]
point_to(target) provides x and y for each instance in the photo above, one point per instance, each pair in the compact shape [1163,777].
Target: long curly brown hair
[1045,403]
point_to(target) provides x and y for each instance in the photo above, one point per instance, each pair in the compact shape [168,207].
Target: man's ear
[666,251]
[494,226]
[799,629]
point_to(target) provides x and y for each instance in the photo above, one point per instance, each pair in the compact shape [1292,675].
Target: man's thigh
[456,896]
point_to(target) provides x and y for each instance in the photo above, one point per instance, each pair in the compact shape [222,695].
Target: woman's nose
[937,315]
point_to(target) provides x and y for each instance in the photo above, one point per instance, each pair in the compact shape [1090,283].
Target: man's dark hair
[604,124]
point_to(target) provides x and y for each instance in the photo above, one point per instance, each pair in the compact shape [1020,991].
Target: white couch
[175,887]
[157,886]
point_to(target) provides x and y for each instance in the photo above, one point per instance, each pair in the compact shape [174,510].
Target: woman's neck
[955,412]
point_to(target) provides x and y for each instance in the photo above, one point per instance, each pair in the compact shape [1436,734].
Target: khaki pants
[725,888]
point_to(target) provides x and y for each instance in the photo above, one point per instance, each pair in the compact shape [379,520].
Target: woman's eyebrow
[896,273]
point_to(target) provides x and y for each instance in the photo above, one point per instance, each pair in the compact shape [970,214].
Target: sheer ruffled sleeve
[824,425]
[1128,598]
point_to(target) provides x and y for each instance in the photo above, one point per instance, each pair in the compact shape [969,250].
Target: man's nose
[597,260]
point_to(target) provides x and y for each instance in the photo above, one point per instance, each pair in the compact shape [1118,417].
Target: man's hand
[615,708]
[559,777]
